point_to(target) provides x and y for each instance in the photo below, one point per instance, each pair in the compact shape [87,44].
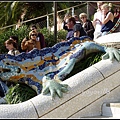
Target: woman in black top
[87,25]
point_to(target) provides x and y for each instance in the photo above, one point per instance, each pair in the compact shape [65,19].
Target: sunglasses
[33,35]
[33,28]
[82,17]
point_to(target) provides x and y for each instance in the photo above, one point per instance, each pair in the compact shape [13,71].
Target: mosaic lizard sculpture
[44,69]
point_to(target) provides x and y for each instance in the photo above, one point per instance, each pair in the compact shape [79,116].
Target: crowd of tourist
[103,21]
[35,40]
[76,26]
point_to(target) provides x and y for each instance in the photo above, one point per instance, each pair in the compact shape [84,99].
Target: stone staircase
[109,111]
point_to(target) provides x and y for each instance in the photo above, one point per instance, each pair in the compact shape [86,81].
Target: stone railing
[88,90]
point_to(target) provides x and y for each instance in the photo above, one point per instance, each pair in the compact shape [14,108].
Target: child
[12,47]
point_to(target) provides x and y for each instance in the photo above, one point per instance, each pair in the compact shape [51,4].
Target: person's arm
[77,34]
[64,26]
[23,46]
[42,41]
[65,22]
[17,52]
[38,45]
[94,20]
[116,14]
[107,18]
[91,27]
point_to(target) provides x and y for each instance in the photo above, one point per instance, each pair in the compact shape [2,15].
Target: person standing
[98,16]
[107,22]
[116,15]
[66,17]
[77,19]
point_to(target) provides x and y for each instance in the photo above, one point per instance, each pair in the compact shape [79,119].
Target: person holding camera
[116,15]
[30,43]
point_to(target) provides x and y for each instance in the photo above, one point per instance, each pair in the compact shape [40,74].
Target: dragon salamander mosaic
[44,69]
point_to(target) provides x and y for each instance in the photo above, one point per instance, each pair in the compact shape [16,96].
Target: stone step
[99,117]
[111,109]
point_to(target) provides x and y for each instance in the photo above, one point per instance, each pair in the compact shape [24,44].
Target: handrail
[41,16]
[85,92]
[51,14]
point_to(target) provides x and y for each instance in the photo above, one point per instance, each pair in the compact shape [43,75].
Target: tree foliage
[11,12]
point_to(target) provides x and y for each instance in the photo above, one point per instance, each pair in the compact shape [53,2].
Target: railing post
[44,16]
[47,21]
[87,9]
[55,21]
[72,11]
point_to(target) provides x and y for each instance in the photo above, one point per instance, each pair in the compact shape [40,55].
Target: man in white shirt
[98,16]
